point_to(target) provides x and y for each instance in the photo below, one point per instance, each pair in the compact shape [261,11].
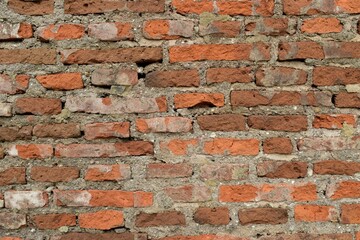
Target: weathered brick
[277,145]
[344,189]
[294,7]
[115,55]
[223,29]
[12,175]
[308,236]
[169,218]
[114,76]
[91,6]
[61,32]
[31,151]
[321,25]
[94,236]
[167,170]
[102,198]
[16,31]
[5,109]
[115,105]
[347,100]
[335,50]
[329,76]
[281,169]
[315,213]
[15,133]
[188,100]
[280,76]
[9,85]
[103,220]
[11,220]
[108,172]
[189,193]
[217,52]
[334,121]
[231,146]
[61,130]
[105,150]
[288,123]
[107,130]
[61,81]
[336,167]
[222,122]
[173,78]
[54,174]
[350,213]
[300,50]
[164,124]
[263,216]
[253,98]
[32,7]
[167,29]
[179,147]
[38,106]
[224,171]
[54,221]
[212,216]
[25,199]
[231,75]
[326,144]
[30,56]
[219,236]
[115,31]
[268,26]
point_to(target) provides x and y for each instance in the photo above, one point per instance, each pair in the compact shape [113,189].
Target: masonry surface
[179,119]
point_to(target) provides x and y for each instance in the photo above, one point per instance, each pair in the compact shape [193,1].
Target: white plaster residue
[24,199]
[13,151]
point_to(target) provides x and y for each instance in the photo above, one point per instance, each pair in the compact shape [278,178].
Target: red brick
[231,75]
[315,213]
[11,220]
[294,7]
[15,133]
[15,31]
[102,220]
[288,123]
[224,171]
[277,145]
[54,174]
[89,6]
[350,213]
[95,236]
[9,85]
[280,76]
[108,172]
[114,76]
[232,146]
[222,122]
[212,216]
[25,199]
[246,8]
[282,169]
[167,29]
[32,8]
[102,198]
[347,100]
[107,130]
[163,125]
[69,130]
[334,121]
[223,29]
[205,237]
[268,26]
[61,81]
[54,221]
[344,189]
[189,100]
[31,151]
[300,50]
[115,31]
[329,76]
[307,236]
[179,147]
[218,52]
[61,32]
[173,78]
[169,218]
[321,25]
[263,216]
[30,56]
[337,50]
[10,238]
[116,105]
[237,193]
[108,55]
[38,106]
[105,150]
[336,167]
[167,170]
[12,175]
[189,193]
[326,144]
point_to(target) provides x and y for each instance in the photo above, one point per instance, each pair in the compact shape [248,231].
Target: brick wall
[179,119]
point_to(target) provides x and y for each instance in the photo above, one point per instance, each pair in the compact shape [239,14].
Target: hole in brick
[203,104]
